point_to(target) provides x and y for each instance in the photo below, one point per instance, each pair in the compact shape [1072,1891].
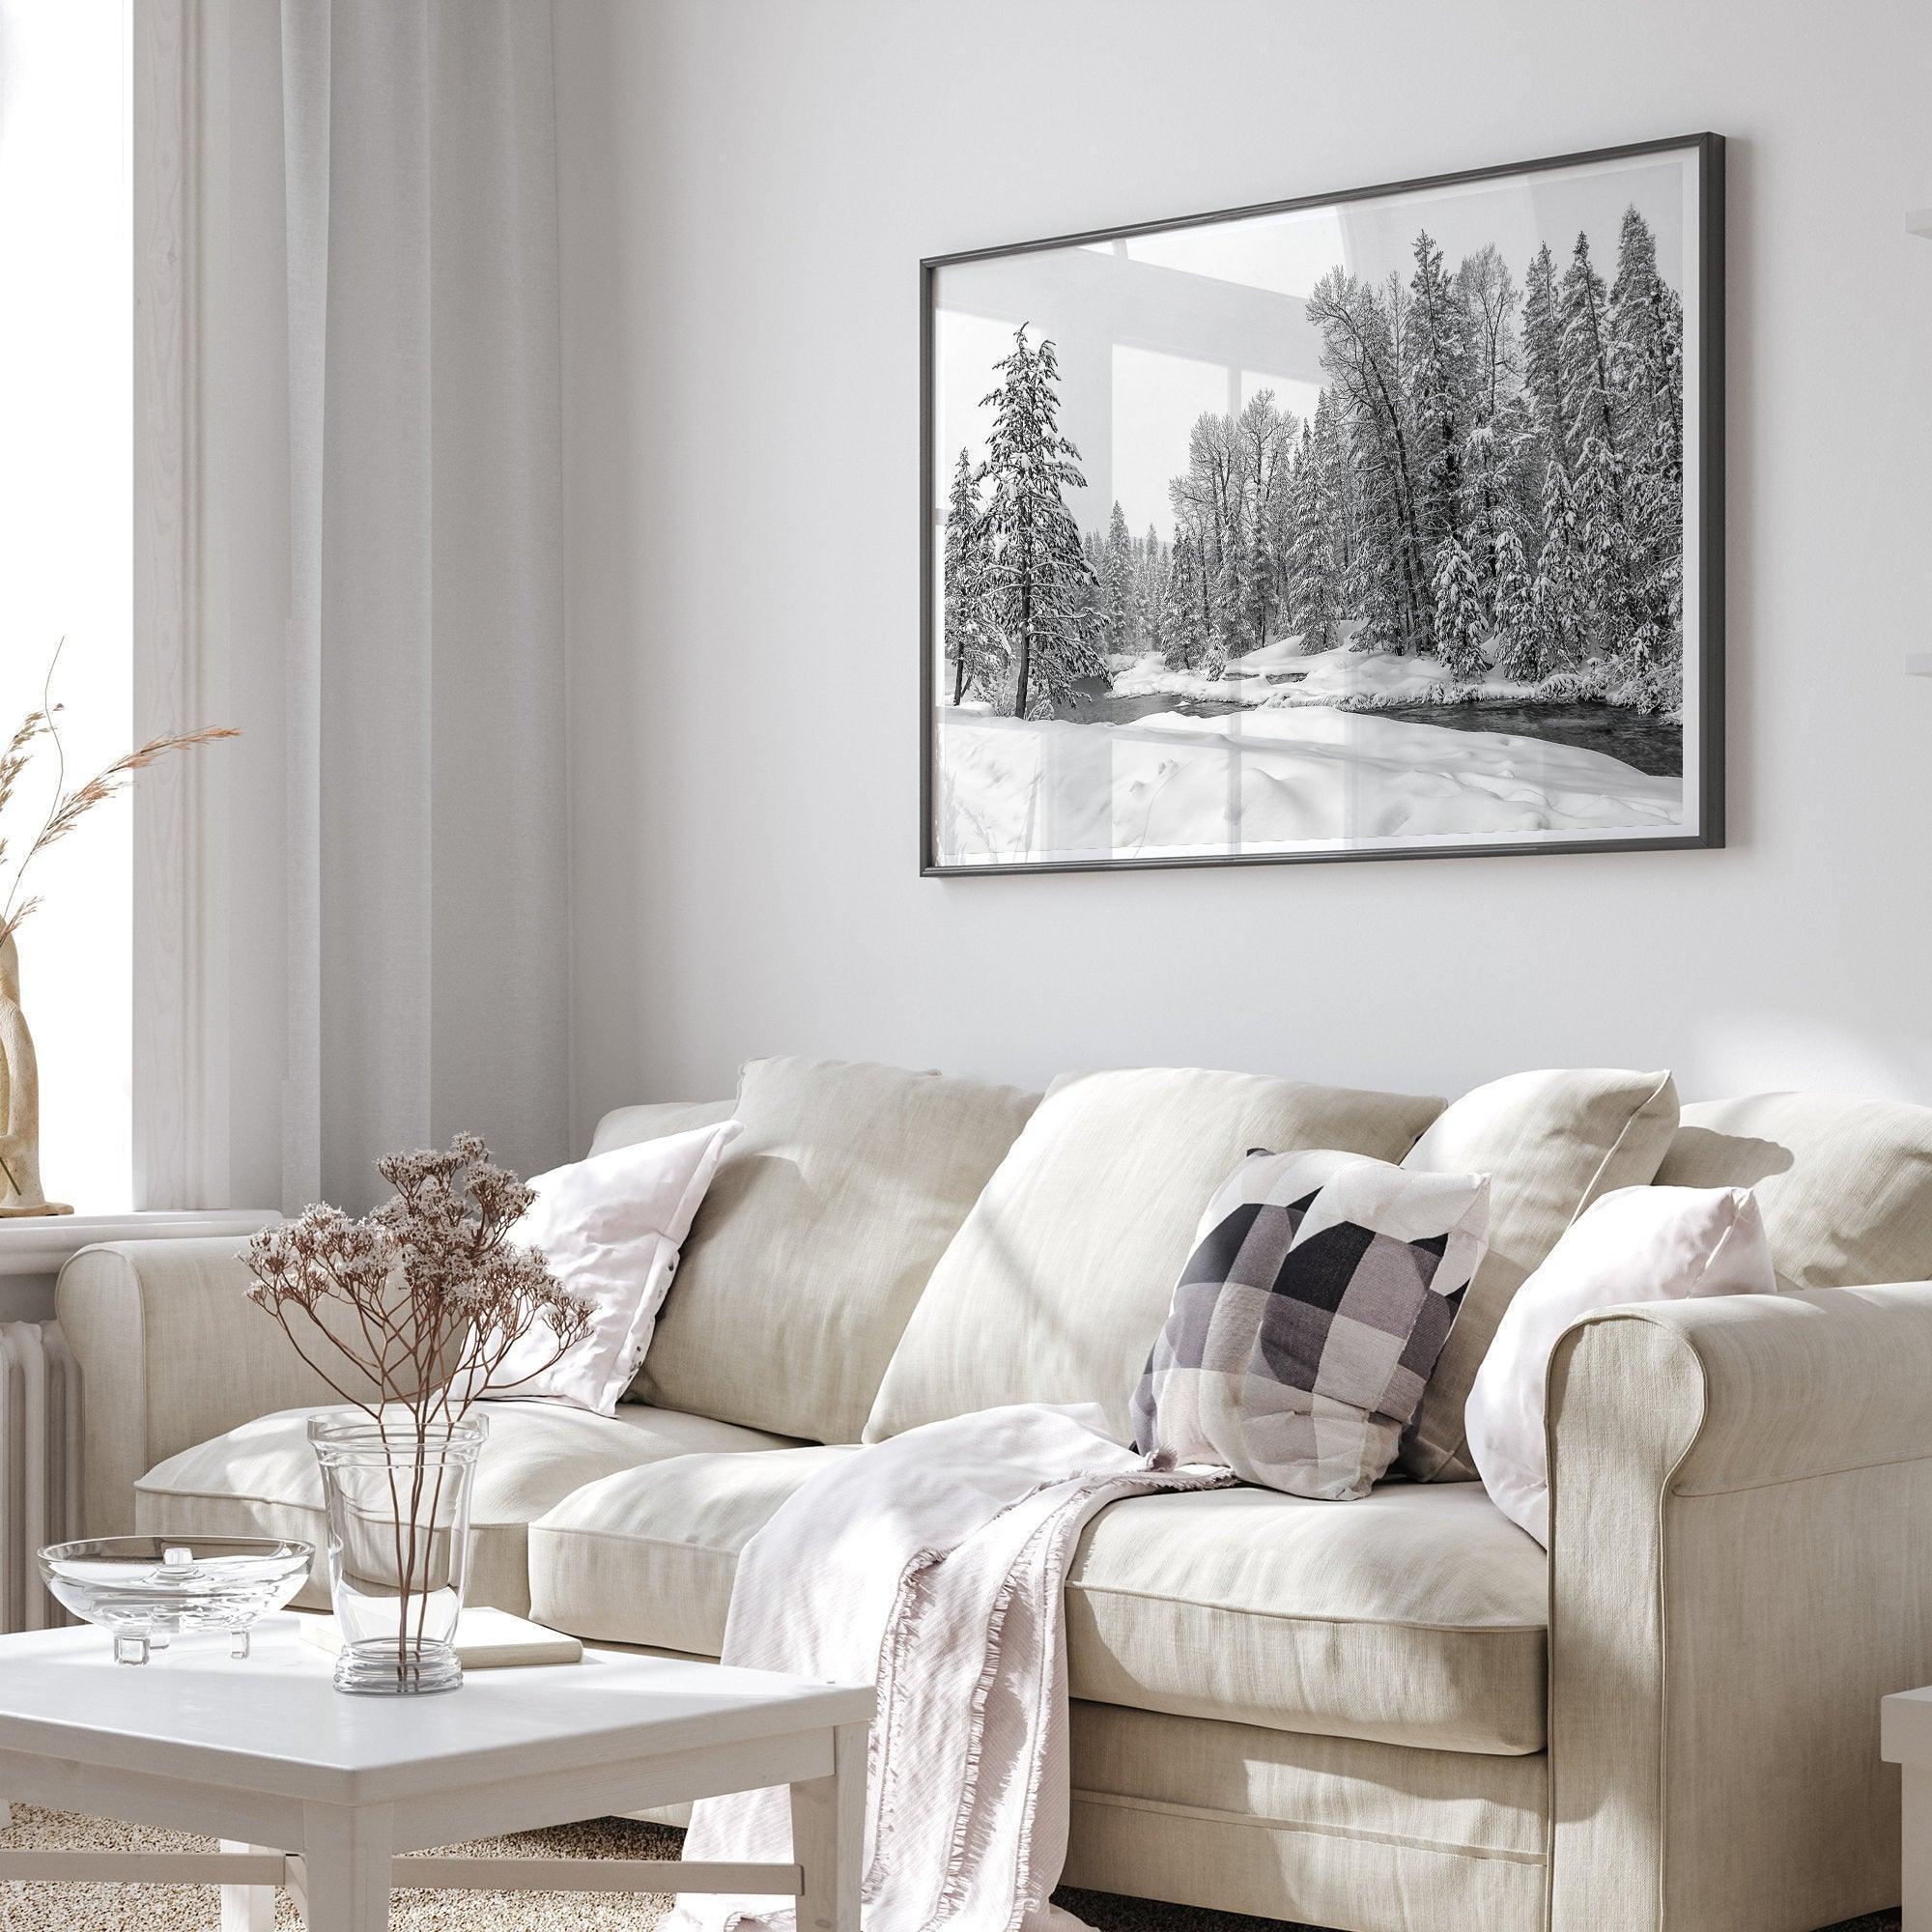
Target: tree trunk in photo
[1024,661]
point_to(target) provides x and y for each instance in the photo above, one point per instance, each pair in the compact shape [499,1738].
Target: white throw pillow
[610,1228]
[1639,1244]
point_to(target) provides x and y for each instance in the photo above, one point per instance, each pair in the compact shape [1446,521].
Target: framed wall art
[1376,524]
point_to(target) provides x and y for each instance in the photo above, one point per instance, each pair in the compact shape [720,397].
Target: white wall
[747,187]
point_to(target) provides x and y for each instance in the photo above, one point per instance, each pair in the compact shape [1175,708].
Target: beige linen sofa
[1397,1714]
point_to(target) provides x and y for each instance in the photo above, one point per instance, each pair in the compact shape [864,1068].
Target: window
[66,483]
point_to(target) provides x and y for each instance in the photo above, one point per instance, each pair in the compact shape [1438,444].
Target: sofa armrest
[1741,1567]
[170,1355]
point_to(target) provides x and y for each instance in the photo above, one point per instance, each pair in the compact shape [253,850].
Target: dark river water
[1650,745]
[1106,708]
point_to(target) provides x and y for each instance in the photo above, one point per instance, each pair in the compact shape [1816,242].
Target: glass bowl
[145,1590]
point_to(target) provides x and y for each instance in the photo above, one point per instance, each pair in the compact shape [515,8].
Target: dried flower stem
[67,809]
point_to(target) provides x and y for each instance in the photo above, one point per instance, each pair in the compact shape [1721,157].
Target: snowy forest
[1490,490]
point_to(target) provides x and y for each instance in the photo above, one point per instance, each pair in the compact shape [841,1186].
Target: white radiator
[40,1465]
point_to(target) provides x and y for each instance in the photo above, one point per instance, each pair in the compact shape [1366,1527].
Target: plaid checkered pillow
[1320,1291]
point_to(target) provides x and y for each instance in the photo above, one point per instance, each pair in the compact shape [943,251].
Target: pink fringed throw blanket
[933,1564]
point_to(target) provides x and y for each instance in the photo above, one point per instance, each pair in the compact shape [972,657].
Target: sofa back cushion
[1844,1182]
[1552,1143]
[816,1237]
[1061,1278]
[628,1126]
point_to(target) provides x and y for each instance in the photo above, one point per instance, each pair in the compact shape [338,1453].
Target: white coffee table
[319,1792]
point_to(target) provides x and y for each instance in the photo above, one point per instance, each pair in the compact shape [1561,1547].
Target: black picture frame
[1705,509]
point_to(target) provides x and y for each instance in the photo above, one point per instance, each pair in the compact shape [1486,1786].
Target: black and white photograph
[1377,525]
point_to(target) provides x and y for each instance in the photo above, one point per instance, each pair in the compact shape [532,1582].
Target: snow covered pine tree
[1040,584]
[974,647]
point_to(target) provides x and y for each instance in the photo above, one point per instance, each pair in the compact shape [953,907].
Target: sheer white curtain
[426,910]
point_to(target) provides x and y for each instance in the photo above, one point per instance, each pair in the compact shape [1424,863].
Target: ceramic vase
[20,1100]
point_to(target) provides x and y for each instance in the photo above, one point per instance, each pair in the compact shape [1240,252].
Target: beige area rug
[189,1908]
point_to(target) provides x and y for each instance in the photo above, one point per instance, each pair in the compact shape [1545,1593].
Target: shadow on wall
[1773,1052]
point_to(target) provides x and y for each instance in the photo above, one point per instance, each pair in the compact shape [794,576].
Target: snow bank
[1368,679]
[1307,779]
[1251,679]
[1148,676]
[1345,677]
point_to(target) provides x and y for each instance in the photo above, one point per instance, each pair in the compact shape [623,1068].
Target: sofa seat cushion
[652,1562]
[262,1480]
[1415,1616]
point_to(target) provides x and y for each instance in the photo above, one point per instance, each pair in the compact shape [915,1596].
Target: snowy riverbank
[1307,777]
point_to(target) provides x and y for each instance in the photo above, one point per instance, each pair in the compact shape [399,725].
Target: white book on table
[485,1639]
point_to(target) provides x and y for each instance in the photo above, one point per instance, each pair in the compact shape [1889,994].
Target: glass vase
[397,1494]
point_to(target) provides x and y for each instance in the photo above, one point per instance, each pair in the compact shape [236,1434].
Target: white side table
[1905,1739]
[319,1791]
